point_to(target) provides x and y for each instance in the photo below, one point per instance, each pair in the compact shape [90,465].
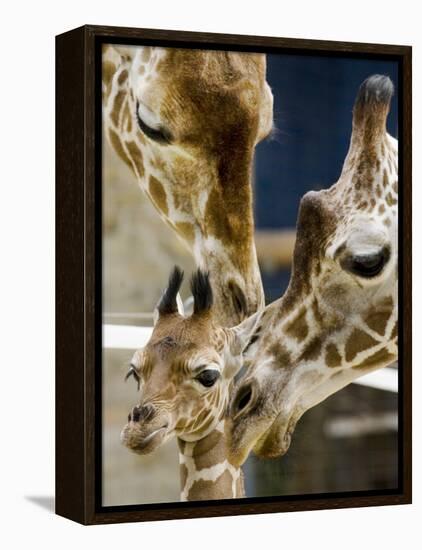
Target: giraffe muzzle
[145,430]
[142,413]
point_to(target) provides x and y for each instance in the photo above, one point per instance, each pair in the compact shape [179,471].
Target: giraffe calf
[184,375]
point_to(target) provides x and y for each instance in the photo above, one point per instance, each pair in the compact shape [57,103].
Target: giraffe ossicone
[338,317]
[186,122]
[184,376]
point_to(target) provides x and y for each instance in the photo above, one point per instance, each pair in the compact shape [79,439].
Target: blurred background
[347,443]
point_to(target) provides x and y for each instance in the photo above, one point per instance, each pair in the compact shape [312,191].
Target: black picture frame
[78,274]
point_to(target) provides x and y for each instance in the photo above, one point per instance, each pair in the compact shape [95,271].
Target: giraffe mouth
[143,443]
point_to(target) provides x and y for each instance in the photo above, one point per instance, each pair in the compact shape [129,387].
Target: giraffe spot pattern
[183,475]
[108,71]
[158,194]
[394,332]
[382,358]
[127,118]
[146,54]
[298,327]
[186,230]
[118,147]
[385,178]
[117,107]
[358,341]
[377,318]
[209,450]
[136,156]
[312,350]
[332,356]
[390,200]
[207,490]
[121,79]
[281,354]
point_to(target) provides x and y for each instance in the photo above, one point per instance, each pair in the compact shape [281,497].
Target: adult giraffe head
[184,375]
[338,317]
[187,122]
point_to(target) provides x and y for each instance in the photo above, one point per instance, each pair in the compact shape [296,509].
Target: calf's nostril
[136,414]
[146,412]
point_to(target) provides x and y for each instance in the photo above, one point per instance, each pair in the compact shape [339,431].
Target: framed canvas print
[233,274]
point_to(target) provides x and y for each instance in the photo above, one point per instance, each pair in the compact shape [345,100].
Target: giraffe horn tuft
[374,94]
[371,109]
[168,302]
[201,292]
[377,89]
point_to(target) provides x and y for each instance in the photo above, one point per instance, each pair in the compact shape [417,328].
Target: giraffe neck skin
[197,217]
[205,471]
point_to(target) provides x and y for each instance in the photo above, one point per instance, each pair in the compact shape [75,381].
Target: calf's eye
[208,377]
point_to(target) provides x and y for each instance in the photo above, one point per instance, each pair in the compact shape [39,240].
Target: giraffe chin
[245,437]
[268,447]
[141,442]
[275,442]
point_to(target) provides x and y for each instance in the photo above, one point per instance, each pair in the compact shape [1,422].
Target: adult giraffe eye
[156,133]
[367,265]
[208,377]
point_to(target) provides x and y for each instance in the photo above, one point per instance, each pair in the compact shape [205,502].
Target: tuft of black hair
[201,291]
[168,302]
[377,89]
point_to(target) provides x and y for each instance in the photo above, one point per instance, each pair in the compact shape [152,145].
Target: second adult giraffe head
[187,122]
[338,317]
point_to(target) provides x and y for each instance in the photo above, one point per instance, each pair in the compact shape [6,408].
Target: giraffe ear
[246,333]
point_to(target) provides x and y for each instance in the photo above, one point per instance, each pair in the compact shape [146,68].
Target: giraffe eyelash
[133,372]
[160,134]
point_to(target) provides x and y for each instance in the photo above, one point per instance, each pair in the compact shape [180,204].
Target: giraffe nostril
[144,412]
[136,414]
[243,398]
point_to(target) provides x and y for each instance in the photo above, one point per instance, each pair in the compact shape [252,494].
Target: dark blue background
[313,102]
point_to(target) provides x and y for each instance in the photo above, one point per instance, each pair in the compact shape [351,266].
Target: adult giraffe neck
[205,471]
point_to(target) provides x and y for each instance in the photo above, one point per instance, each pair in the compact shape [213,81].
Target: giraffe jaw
[268,437]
